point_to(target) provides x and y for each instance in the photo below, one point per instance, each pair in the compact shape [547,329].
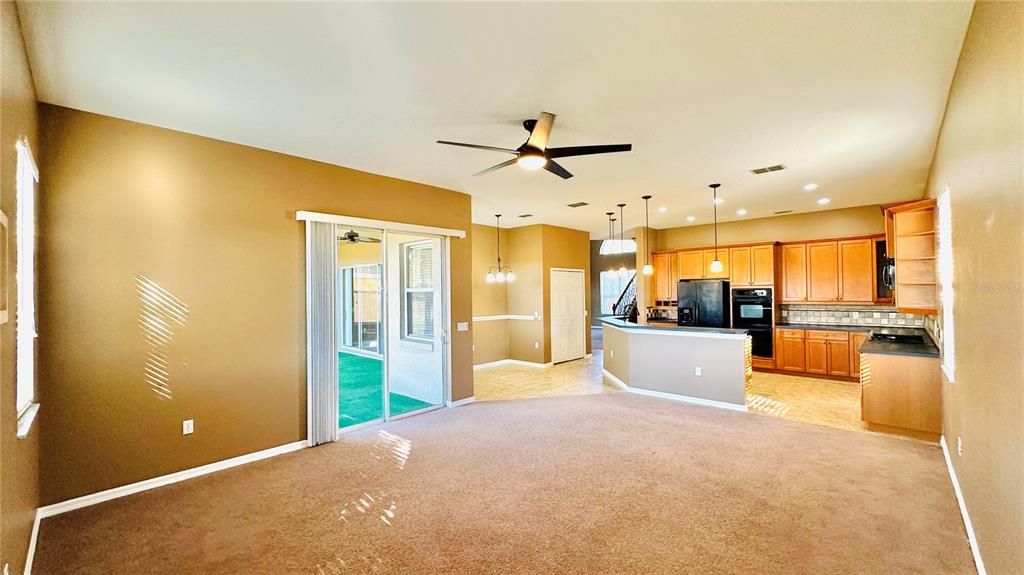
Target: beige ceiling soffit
[378,224]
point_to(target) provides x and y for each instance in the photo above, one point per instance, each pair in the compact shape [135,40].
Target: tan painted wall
[979,157]
[490,338]
[563,248]
[19,459]
[526,295]
[862,221]
[213,223]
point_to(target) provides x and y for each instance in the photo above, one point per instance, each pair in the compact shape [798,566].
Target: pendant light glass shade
[716,265]
[500,276]
[510,277]
[648,270]
[490,278]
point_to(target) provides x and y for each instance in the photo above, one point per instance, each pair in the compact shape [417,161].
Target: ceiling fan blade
[504,164]
[478,147]
[368,240]
[541,131]
[587,150]
[556,169]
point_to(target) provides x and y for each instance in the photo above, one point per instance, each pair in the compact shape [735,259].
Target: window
[618,247]
[612,286]
[418,291]
[25,238]
[945,255]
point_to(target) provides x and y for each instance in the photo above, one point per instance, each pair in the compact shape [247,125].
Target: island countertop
[621,323]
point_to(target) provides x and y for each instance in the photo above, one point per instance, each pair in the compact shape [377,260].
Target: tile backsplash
[876,316]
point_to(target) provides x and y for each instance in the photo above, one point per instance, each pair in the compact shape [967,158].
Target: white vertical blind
[25,277]
[321,333]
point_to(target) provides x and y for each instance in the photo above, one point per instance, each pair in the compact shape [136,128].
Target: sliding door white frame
[445,235]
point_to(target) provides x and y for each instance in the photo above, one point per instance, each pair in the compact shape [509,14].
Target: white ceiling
[847,95]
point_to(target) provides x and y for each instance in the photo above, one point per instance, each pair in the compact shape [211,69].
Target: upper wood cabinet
[831,271]
[739,266]
[857,270]
[752,265]
[665,276]
[822,271]
[723,256]
[762,265]
[794,272]
[691,265]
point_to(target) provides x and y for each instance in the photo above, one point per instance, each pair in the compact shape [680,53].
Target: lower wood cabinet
[818,352]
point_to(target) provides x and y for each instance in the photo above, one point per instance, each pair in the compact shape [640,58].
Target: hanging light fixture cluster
[498,273]
[716,264]
[648,268]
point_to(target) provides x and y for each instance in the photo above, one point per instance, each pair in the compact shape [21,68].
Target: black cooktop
[896,335]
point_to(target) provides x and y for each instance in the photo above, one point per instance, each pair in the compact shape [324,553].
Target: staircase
[625,307]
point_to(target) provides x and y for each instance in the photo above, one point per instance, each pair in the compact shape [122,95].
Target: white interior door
[568,315]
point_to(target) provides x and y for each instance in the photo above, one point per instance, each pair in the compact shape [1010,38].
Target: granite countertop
[667,326]
[926,349]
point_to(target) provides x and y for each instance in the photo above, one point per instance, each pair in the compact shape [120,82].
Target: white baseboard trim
[31,556]
[673,396]
[107,495]
[971,538]
[463,401]
[501,362]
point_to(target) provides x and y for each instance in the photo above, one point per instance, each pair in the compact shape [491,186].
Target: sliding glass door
[391,325]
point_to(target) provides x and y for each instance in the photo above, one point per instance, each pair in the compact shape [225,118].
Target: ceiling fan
[353,237]
[535,154]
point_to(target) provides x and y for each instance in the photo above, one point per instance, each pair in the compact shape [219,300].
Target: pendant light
[648,268]
[611,233]
[716,264]
[622,240]
[499,274]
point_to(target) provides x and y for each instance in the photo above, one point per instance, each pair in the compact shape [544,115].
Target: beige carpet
[610,483]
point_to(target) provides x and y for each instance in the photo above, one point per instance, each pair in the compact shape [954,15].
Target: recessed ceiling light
[823,201]
[719,201]
[741,212]
[662,210]
[810,187]
[690,218]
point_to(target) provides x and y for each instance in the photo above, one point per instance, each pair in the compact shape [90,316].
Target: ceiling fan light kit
[535,154]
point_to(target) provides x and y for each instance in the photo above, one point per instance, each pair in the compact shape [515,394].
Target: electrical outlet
[462,326]
[959,446]
[188,426]
[696,371]
[611,353]
[536,345]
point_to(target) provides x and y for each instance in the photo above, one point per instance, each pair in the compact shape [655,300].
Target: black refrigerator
[703,303]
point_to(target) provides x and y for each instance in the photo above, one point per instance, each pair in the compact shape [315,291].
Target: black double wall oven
[752,310]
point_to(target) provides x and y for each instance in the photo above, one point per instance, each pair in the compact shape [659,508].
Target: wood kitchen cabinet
[665,276]
[794,272]
[831,271]
[789,350]
[902,394]
[857,339]
[752,265]
[857,270]
[822,272]
[818,352]
[691,265]
[723,256]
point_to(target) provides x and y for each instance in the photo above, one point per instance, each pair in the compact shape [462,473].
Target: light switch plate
[462,326]
[188,426]
[696,371]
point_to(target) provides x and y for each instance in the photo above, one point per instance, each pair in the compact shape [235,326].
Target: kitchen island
[708,366]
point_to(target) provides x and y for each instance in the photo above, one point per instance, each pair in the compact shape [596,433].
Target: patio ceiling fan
[353,237]
[535,154]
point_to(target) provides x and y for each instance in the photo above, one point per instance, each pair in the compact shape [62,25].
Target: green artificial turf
[360,391]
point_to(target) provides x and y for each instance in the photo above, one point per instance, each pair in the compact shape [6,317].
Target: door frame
[585,327]
[445,235]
